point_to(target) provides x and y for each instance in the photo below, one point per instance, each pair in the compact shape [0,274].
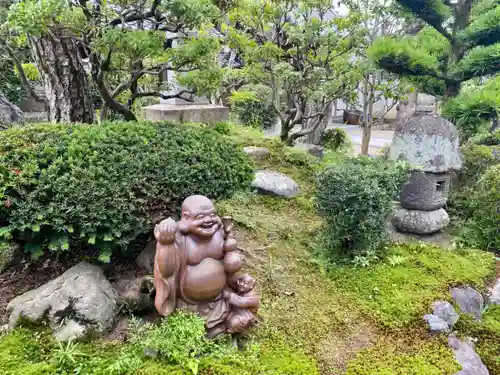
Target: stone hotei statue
[196,269]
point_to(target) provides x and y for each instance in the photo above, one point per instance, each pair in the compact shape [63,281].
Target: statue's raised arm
[167,260]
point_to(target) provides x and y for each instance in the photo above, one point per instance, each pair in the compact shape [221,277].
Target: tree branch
[161,95]
[22,75]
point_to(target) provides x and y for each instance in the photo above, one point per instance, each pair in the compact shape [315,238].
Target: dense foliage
[481,227]
[252,111]
[335,139]
[355,198]
[460,47]
[106,184]
[301,53]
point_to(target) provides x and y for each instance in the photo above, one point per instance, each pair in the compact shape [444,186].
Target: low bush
[355,197]
[105,184]
[478,158]
[481,228]
[335,139]
[252,111]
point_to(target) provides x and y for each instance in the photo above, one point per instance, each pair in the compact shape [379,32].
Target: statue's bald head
[196,203]
[199,217]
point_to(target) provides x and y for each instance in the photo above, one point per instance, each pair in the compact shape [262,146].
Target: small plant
[396,260]
[252,111]
[355,198]
[67,354]
[298,157]
[223,128]
[335,139]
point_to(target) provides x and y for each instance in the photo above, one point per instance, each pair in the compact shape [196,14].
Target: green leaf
[105,256]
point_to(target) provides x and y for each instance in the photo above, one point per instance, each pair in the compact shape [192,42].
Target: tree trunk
[65,79]
[365,140]
[315,136]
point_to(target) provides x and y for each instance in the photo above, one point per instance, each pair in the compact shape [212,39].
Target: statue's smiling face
[203,221]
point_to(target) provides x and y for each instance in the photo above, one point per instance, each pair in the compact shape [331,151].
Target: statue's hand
[165,231]
[226,294]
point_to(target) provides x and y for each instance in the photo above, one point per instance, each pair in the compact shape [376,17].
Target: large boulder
[275,183]
[257,153]
[145,260]
[312,149]
[78,301]
[467,357]
[7,252]
[9,113]
[420,222]
[136,294]
[469,300]
[495,293]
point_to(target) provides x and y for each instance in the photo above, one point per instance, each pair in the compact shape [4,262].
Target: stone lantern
[430,144]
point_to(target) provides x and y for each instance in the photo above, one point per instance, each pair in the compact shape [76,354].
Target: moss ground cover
[315,319]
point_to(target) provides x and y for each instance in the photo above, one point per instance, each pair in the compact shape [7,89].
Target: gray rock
[7,252]
[146,258]
[314,150]
[81,295]
[436,324]
[275,183]
[70,331]
[9,113]
[136,294]
[469,300]
[257,153]
[428,142]
[446,312]
[420,222]
[467,357]
[494,298]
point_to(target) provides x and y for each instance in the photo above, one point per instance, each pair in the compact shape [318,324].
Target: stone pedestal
[206,113]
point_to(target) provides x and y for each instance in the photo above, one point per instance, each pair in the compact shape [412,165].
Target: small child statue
[244,304]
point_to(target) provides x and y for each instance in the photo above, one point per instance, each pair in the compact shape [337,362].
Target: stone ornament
[196,269]
[430,144]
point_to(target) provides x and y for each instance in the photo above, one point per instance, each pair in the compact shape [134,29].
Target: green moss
[397,296]
[312,320]
[487,334]
[428,358]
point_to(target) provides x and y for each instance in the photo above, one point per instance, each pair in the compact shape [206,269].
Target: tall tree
[302,51]
[378,18]
[49,28]
[126,45]
[460,43]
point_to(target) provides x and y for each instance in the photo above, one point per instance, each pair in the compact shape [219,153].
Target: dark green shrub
[355,197]
[105,184]
[335,139]
[254,112]
[481,228]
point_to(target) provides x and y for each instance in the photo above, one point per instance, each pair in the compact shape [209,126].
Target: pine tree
[455,56]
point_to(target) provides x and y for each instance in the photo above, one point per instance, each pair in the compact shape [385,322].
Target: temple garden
[179,194]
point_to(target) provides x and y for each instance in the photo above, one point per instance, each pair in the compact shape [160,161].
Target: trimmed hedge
[355,198]
[106,184]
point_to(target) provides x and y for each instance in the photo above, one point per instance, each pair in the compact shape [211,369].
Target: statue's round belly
[205,281]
